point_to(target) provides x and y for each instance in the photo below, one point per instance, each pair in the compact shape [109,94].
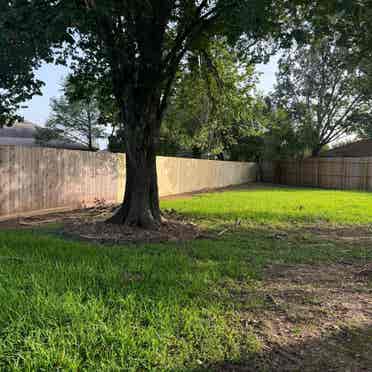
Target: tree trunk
[141,198]
[196,152]
[260,172]
[90,140]
[316,151]
[140,88]
[220,156]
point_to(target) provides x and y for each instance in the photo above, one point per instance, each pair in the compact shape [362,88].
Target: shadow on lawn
[297,215]
[186,283]
[347,349]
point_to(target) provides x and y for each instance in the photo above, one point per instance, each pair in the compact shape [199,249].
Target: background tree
[139,45]
[321,90]
[363,118]
[211,102]
[349,22]
[272,135]
[78,121]
[363,125]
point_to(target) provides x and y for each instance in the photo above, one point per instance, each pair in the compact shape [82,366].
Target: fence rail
[43,179]
[335,173]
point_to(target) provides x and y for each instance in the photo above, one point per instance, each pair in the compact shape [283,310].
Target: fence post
[365,183]
[297,172]
[317,168]
[313,172]
[277,171]
[343,179]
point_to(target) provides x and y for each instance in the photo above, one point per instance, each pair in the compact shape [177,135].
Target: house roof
[24,129]
[357,149]
[22,133]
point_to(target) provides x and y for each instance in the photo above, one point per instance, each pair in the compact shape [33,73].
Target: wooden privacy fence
[43,179]
[336,173]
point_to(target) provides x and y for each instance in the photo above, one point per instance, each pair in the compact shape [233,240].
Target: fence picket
[36,179]
[338,173]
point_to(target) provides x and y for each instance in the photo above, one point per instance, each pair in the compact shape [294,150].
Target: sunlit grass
[271,205]
[67,305]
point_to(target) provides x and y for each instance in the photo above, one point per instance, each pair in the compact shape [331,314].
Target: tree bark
[141,198]
[141,81]
[140,206]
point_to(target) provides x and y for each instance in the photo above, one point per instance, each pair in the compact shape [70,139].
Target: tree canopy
[323,91]
[78,121]
[210,106]
[138,46]
[115,38]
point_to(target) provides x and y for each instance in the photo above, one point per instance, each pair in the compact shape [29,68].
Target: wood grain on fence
[44,179]
[335,173]
[33,179]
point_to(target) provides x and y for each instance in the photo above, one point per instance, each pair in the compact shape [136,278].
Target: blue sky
[38,108]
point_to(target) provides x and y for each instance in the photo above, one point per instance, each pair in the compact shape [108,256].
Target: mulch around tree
[174,229]
[89,224]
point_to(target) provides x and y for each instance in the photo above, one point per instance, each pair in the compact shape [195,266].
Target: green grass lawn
[280,205]
[72,306]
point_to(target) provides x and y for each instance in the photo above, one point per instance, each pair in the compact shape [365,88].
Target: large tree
[322,89]
[363,118]
[139,46]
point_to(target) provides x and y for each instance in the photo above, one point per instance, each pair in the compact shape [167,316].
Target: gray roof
[22,134]
[357,149]
[24,129]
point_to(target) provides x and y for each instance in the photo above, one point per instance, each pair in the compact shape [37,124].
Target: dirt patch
[313,318]
[351,234]
[89,224]
[101,232]
[321,317]
[323,293]
[342,234]
[45,220]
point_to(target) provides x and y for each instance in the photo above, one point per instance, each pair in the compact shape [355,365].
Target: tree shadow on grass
[347,349]
[177,297]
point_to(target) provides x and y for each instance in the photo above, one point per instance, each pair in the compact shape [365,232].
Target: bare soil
[89,224]
[349,234]
[99,231]
[317,318]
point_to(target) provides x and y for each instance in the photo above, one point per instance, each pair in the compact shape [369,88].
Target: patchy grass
[260,297]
